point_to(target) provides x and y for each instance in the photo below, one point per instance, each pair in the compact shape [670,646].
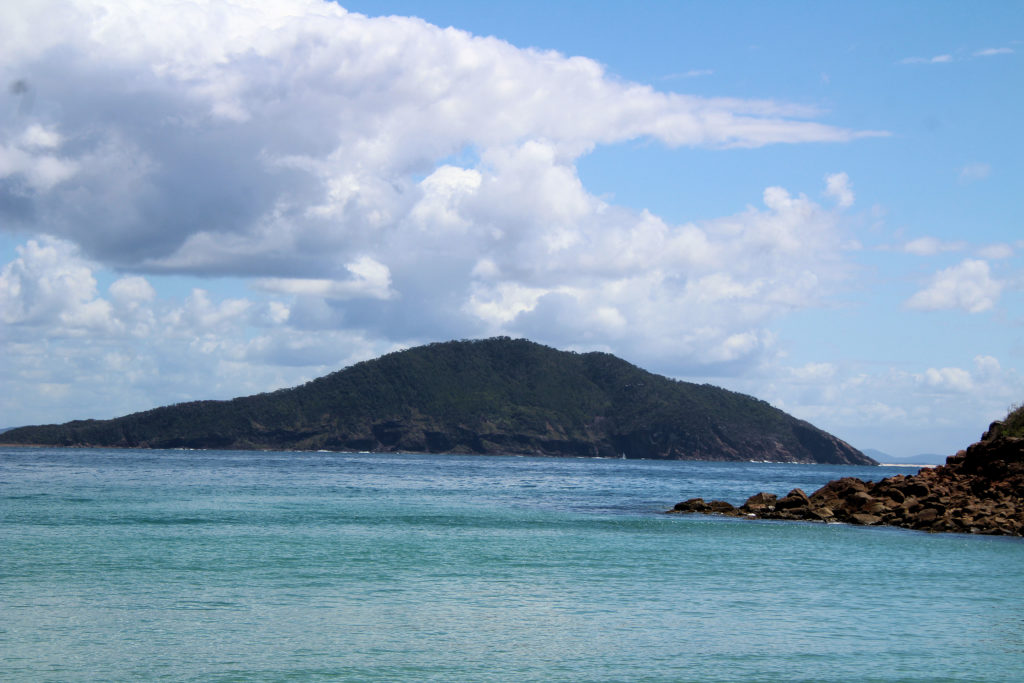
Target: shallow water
[241,566]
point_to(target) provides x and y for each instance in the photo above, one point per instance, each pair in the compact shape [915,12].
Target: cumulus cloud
[249,137]
[49,286]
[377,182]
[968,286]
[30,163]
[702,294]
[67,347]
[837,186]
[947,379]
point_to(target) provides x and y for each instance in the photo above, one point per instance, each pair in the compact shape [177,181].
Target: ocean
[137,565]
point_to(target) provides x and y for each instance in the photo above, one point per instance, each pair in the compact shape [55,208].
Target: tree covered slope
[489,396]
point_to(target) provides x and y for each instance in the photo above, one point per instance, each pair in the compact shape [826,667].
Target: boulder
[979,490]
[760,502]
[794,499]
[692,505]
[865,519]
[721,507]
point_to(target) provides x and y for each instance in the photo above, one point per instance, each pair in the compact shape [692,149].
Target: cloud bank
[388,176]
[365,184]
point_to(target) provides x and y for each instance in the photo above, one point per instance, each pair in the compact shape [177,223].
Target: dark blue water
[240,566]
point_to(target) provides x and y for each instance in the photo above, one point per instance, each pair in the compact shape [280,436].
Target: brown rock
[980,490]
[721,507]
[865,519]
[691,505]
[760,502]
[874,507]
[917,489]
[927,516]
[858,500]
[794,499]
[894,495]
[823,513]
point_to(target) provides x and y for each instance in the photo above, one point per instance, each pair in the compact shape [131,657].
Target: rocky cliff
[979,491]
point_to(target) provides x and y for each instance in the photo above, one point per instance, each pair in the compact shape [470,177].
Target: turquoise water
[239,566]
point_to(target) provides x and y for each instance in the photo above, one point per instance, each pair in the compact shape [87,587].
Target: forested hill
[490,396]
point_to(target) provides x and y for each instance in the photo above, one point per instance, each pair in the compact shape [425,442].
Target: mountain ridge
[917,459]
[489,396]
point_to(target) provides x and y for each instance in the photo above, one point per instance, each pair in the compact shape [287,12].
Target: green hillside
[489,396]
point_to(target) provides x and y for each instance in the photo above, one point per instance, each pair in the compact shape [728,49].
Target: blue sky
[813,203]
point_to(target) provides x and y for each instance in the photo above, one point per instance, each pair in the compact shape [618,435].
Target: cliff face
[490,396]
[979,491]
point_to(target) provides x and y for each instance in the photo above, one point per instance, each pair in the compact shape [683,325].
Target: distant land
[919,459]
[492,396]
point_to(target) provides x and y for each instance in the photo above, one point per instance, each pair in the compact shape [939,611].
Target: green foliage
[493,395]
[1013,424]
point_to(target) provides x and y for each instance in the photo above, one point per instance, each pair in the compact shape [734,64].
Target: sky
[818,204]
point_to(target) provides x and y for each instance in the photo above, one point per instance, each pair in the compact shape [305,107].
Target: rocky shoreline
[978,491]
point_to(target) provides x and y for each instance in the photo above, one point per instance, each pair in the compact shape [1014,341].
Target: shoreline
[978,491]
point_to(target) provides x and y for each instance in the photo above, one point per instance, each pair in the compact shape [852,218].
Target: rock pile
[978,491]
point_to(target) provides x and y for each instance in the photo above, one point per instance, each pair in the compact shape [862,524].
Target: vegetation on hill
[488,396]
[1013,423]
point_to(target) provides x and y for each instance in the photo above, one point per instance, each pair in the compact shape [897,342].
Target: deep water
[244,566]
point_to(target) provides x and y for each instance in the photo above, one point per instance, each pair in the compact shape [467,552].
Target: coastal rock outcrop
[979,491]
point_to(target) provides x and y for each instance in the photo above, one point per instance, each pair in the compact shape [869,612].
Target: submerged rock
[978,491]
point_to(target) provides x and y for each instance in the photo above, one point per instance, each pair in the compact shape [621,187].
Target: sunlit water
[240,566]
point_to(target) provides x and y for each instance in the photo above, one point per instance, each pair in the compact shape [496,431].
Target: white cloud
[929,246]
[692,73]
[948,58]
[378,182]
[987,367]
[48,285]
[288,135]
[968,286]
[937,59]
[837,186]
[132,291]
[443,190]
[67,350]
[947,379]
[29,159]
[370,280]
[38,137]
[900,410]
[501,304]
[975,172]
[814,372]
[200,315]
[996,252]
[992,51]
[132,298]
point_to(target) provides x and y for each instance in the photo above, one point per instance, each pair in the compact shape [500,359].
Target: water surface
[240,566]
